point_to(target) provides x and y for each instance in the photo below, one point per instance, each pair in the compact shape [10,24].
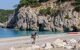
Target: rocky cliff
[62,18]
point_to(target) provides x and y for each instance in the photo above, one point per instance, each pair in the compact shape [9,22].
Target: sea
[6,33]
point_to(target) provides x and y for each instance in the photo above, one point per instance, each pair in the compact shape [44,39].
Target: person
[33,36]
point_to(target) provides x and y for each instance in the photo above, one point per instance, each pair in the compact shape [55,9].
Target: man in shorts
[33,36]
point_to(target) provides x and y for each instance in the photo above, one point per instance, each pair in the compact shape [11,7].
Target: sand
[25,41]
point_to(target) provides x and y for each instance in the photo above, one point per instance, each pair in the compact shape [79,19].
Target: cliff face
[29,18]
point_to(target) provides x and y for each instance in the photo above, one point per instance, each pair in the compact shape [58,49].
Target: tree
[29,2]
[32,3]
[4,15]
[76,4]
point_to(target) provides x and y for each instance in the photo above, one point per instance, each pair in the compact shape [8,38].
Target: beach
[26,41]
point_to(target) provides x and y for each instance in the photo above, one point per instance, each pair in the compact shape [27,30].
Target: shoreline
[26,37]
[26,40]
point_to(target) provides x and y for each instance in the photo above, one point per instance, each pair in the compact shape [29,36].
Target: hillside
[49,15]
[4,15]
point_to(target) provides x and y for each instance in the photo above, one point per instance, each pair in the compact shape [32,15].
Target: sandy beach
[25,41]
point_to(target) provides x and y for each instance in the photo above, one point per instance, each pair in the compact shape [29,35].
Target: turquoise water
[4,32]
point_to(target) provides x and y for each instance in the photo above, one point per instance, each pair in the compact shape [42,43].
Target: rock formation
[29,18]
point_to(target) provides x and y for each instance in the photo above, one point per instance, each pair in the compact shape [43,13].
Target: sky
[8,4]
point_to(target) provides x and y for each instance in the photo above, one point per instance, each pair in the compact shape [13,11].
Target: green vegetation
[76,4]
[43,1]
[67,17]
[4,15]
[49,11]
[32,3]
[54,12]
[62,1]
[45,11]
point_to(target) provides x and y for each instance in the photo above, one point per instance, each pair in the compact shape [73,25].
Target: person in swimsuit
[33,36]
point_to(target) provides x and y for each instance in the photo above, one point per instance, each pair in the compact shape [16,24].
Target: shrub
[45,11]
[42,11]
[67,17]
[32,3]
[62,1]
[76,4]
[43,1]
[77,8]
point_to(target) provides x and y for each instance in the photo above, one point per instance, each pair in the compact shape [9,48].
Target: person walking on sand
[33,36]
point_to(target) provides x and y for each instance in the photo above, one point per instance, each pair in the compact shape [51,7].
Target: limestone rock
[29,18]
